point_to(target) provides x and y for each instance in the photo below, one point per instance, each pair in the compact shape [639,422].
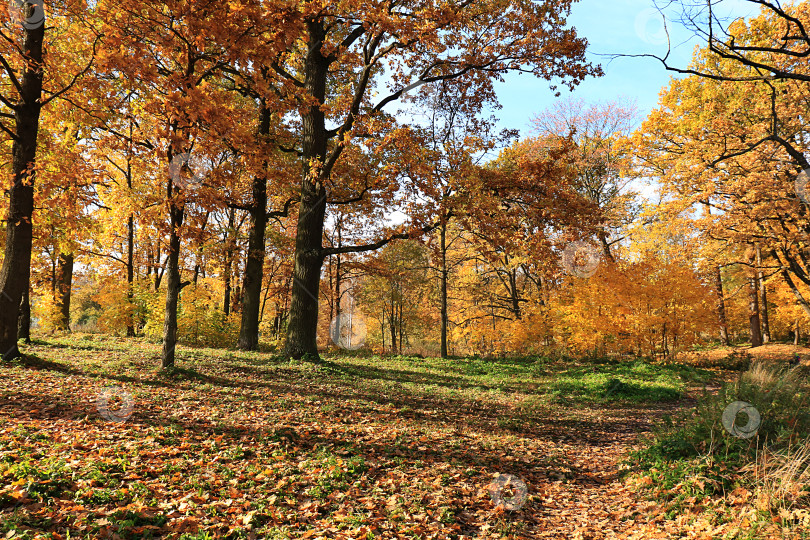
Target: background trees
[261,166]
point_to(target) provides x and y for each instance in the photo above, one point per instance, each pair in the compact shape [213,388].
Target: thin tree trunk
[303,321]
[796,292]
[338,261]
[130,243]
[199,255]
[158,270]
[763,300]
[24,324]
[226,301]
[721,306]
[393,324]
[513,292]
[753,306]
[63,286]
[443,286]
[130,275]
[16,271]
[796,332]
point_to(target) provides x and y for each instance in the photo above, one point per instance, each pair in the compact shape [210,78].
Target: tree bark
[63,286]
[393,323]
[254,265]
[130,244]
[753,307]
[173,285]
[15,274]
[796,332]
[721,306]
[303,322]
[605,246]
[24,324]
[443,287]
[130,275]
[763,300]
[226,301]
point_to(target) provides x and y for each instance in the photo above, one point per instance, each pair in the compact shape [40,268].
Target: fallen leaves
[275,454]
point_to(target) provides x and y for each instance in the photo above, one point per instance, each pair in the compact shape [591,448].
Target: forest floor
[96,443]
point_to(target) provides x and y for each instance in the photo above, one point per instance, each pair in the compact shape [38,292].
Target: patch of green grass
[636,381]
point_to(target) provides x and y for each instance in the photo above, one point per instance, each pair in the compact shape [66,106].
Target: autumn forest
[279,269]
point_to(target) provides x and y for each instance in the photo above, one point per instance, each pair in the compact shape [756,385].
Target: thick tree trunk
[173,284]
[763,300]
[753,308]
[16,271]
[303,322]
[63,286]
[721,306]
[254,265]
[254,270]
[24,321]
[443,287]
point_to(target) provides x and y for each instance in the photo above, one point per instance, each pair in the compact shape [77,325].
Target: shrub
[781,397]
[694,456]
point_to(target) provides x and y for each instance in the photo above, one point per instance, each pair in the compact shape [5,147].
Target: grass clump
[695,457]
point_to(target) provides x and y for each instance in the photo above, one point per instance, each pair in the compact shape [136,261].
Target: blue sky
[612,27]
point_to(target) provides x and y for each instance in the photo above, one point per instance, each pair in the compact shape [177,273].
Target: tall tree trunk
[393,323]
[226,301]
[24,321]
[303,323]
[158,270]
[338,292]
[796,332]
[721,306]
[130,276]
[16,271]
[198,267]
[513,292]
[753,306]
[130,243]
[763,299]
[63,286]
[254,265]
[338,263]
[443,286]
[173,285]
